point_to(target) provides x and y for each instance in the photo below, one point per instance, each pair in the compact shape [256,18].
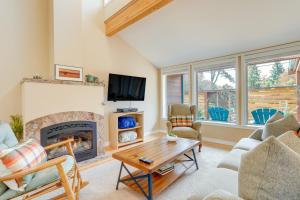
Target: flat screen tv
[126,88]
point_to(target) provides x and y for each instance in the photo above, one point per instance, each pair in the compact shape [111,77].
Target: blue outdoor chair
[261,115]
[218,114]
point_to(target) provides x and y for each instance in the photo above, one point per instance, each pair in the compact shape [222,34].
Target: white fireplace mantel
[46,97]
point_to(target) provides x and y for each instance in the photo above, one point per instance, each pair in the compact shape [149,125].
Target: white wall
[23,50]
[80,40]
[34,38]
[103,55]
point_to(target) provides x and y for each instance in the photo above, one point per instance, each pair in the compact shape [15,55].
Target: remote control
[145,160]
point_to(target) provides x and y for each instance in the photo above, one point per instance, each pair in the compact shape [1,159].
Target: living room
[192,94]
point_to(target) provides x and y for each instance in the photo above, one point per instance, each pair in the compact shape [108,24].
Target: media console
[114,130]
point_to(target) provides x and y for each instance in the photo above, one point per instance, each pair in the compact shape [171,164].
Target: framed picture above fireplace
[68,73]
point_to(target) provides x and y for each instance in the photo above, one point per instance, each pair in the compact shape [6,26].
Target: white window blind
[272,53]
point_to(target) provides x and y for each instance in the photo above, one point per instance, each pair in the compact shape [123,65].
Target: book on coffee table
[166,169]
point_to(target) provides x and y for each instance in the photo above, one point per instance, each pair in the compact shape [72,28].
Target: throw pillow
[270,171]
[291,139]
[182,121]
[280,126]
[275,117]
[22,156]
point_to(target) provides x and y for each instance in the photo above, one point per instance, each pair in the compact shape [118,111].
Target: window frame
[240,62]
[246,88]
[179,70]
[225,65]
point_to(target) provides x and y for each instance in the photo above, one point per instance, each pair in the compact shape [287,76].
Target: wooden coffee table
[162,152]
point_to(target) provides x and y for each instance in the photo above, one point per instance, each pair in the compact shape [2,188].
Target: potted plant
[16,124]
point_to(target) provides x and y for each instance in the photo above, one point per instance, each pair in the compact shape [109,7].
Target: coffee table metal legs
[195,159]
[135,178]
[149,196]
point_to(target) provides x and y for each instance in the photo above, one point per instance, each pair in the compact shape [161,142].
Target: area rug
[102,180]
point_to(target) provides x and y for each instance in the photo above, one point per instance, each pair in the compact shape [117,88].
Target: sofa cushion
[7,137]
[247,144]
[232,160]
[221,195]
[280,126]
[270,171]
[41,178]
[216,179]
[185,132]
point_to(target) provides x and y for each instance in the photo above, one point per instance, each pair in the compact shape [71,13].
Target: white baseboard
[219,141]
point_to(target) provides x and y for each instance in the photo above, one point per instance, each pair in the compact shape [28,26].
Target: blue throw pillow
[126,122]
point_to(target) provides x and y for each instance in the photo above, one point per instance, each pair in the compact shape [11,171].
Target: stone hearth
[33,127]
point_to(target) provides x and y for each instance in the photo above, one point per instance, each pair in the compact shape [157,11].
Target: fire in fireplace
[84,134]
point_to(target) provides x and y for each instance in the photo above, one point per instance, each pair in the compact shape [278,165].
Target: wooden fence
[276,97]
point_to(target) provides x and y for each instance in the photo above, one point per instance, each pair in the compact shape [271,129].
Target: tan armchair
[184,132]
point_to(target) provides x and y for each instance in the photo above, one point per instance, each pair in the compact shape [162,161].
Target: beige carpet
[103,180]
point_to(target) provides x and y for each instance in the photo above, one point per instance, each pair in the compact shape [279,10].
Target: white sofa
[225,176]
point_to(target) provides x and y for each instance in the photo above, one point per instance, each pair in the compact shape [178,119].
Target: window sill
[224,124]
[230,125]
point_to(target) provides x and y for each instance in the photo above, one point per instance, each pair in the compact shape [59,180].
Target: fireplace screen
[82,132]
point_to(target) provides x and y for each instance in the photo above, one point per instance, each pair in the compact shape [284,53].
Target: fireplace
[84,134]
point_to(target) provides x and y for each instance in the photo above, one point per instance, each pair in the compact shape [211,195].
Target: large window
[176,90]
[271,88]
[216,95]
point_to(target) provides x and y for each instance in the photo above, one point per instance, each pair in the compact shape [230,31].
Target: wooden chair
[218,114]
[71,190]
[261,115]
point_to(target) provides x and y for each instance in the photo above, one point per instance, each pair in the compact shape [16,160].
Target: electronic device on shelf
[120,110]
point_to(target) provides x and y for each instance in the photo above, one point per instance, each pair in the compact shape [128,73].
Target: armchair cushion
[186,132]
[42,178]
[7,137]
[19,157]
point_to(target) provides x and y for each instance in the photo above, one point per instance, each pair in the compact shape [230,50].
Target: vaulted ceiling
[190,30]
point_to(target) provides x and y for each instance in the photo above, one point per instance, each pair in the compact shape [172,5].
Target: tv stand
[114,130]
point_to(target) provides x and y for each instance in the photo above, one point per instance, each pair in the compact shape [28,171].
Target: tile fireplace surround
[32,128]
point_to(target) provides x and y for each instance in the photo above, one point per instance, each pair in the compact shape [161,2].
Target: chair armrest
[197,125]
[62,143]
[257,134]
[20,174]
[169,127]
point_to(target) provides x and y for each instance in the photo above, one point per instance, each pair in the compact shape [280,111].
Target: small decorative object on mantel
[91,79]
[37,77]
[68,73]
